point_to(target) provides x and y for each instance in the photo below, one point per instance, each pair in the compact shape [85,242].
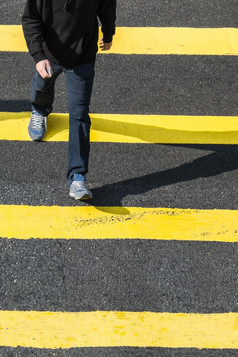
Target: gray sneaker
[37,126]
[79,190]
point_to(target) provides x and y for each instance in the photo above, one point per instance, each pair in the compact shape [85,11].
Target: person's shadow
[16,106]
[224,158]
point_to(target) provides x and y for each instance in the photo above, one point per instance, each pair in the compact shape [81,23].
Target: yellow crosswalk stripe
[56,330]
[131,128]
[150,40]
[88,222]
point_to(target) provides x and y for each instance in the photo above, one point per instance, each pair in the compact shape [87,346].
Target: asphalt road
[59,275]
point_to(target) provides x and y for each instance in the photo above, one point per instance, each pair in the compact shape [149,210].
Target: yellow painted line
[88,222]
[56,330]
[150,40]
[164,129]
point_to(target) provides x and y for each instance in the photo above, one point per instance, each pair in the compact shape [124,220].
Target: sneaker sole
[84,197]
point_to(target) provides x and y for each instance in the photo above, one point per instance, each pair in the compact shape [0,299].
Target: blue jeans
[79,82]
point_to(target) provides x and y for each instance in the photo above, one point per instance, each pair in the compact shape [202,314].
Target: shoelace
[38,121]
[80,184]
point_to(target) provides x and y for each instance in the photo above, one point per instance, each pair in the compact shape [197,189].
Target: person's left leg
[42,97]
[79,81]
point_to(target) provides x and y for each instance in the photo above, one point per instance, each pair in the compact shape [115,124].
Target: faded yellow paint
[56,330]
[167,129]
[87,222]
[150,40]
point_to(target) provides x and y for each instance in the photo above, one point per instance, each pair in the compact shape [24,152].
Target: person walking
[62,36]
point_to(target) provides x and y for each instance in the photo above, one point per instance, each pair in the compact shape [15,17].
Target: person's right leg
[79,82]
[42,97]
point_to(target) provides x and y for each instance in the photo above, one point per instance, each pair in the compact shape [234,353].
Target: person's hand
[42,68]
[104,46]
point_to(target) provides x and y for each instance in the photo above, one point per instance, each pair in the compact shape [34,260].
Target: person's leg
[42,97]
[79,84]
[42,91]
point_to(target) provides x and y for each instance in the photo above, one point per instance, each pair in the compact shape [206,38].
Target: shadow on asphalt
[222,159]
[15,105]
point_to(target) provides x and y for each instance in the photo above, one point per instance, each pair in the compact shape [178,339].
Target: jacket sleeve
[33,29]
[107,17]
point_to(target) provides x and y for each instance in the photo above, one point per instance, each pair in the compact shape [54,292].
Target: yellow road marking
[88,222]
[55,330]
[131,128]
[150,40]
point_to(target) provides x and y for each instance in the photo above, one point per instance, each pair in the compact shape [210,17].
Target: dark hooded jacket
[66,31]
